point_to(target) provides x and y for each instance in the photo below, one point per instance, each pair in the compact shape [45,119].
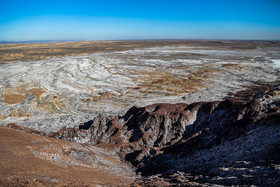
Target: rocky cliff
[228,142]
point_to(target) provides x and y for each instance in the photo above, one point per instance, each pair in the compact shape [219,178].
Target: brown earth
[174,84]
[37,51]
[19,165]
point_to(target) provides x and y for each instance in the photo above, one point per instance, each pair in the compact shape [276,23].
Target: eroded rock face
[161,140]
[155,125]
[226,142]
[161,125]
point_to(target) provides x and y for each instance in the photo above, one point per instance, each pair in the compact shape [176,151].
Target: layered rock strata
[230,142]
[227,142]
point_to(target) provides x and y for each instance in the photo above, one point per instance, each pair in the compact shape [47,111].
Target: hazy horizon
[136,20]
[163,39]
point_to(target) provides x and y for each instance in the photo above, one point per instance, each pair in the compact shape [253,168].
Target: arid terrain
[112,82]
[155,112]
[29,160]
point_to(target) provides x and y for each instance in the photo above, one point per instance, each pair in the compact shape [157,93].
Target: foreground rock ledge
[231,142]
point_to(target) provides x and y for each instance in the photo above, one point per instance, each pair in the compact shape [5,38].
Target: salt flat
[112,82]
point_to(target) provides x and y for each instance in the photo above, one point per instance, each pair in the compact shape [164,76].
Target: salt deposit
[113,82]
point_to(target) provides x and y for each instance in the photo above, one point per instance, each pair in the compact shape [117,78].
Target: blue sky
[139,19]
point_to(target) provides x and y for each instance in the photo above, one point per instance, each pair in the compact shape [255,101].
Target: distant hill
[37,41]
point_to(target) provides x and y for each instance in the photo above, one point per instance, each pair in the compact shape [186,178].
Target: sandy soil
[37,51]
[30,160]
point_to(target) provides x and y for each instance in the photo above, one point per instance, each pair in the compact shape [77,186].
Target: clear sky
[139,19]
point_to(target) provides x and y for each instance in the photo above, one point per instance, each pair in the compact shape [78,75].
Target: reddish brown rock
[201,143]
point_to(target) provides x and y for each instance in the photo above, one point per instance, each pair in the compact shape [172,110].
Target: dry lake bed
[63,83]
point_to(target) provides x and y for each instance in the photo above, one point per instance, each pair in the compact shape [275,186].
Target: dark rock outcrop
[230,142]
[200,143]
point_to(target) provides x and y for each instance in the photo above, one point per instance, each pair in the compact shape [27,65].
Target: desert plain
[48,87]
[55,79]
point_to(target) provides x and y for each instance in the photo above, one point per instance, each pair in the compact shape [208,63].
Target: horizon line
[77,40]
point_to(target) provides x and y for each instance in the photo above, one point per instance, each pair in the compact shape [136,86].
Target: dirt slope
[30,160]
